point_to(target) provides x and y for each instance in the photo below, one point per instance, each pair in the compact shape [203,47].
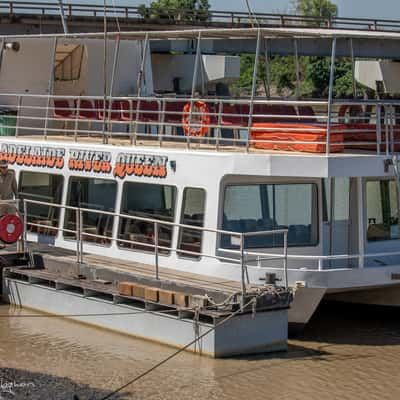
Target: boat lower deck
[201,314]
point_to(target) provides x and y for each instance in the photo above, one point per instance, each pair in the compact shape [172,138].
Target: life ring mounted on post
[353,113]
[196,121]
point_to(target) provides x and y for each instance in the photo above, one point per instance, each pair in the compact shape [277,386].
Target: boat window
[192,214]
[146,201]
[266,207]
[46,188]
[382,210]
[97,195]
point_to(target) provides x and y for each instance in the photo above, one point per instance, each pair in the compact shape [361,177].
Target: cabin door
[338,217]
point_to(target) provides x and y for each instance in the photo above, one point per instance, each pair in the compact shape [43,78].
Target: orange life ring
[200,119]
[353,111]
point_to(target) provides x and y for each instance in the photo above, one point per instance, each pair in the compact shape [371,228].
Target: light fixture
[12,46]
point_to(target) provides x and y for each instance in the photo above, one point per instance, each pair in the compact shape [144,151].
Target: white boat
[309,186]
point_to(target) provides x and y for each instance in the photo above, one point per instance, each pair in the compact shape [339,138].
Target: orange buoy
[197,122]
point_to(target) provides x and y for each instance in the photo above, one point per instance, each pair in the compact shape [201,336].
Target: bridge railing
[190,17]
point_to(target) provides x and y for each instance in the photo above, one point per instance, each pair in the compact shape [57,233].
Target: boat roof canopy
[309,41]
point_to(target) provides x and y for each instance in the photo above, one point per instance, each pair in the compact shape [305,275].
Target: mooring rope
[177,352]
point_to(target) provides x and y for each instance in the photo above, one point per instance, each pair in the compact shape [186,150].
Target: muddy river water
[344,353]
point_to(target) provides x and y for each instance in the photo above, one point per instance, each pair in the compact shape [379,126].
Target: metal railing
[79,235]
[190,17]
[225,122]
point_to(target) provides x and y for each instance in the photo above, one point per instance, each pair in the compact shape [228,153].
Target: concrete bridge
[23,17]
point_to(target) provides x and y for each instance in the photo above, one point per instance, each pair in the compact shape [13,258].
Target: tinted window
[46,188]
[94,194]
[382,210]
[146,201]
[254,208]
[192,214]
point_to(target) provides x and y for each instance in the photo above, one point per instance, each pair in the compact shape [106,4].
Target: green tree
[316,8]
[176,10]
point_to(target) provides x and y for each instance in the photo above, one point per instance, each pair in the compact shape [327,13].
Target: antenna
[63,20]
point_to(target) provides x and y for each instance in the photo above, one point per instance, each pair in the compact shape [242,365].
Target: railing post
[330,96]
[80,236]
[156,248]
[242,265]
[18,116]
[285,259]
[219,129]
[378,128]
[253,90]
[25,225]
[77,235]
[77,111]
[50,86]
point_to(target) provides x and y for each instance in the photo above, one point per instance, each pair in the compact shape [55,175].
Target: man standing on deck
[8,188]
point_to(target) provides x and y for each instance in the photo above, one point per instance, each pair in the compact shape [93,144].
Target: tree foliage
[316,8]
[314,71]
[176,10]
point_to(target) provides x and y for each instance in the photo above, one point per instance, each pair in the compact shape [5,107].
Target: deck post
[360,217]
[19,106]
[353,79]
[50,86]
[330,96]
[285,259]
[2,43]
[296,60]
[156,249]
[267,69]
[139,88]
[242,266]
[253,89]
[194,81]
[63,19]
[105,55]
[114,69]
[378,112]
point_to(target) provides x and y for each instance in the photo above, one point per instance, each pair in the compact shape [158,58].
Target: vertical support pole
[77,235]
[18,116]
[77,113]
[360,217]
[331,215]
[25,225]
[242,266]
[156,249]
[194,81]
[253,89]
[378,128]
[285,259]
[219,129]
[105,55]
[297,64]
[139,88]
[50,86]
[63,19]
[2,44]
[353,67]
[330,96]
[114,69]
[80,236]
[267,69]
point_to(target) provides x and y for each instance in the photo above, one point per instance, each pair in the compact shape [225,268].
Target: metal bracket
[387,163]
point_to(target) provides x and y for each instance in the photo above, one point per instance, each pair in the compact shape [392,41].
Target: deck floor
[139,269]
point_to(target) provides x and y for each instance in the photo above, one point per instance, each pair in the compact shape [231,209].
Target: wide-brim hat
[3,163]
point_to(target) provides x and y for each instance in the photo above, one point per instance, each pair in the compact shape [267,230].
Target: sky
[347,8]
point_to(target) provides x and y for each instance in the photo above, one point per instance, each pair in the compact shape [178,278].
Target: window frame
[122,215]
[189,256]
[71,238]
[60,221]
[365,211]
[317,212]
